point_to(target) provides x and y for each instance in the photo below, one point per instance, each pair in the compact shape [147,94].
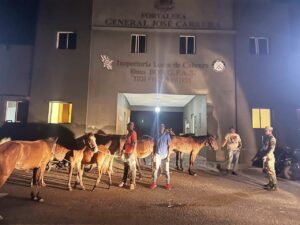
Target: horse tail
[9,156]
[110,163]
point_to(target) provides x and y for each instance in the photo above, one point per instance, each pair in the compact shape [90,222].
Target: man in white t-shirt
[234,144]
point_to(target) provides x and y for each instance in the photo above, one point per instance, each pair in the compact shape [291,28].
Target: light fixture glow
[157,109]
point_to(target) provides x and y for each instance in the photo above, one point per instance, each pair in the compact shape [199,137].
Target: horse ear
[108,144]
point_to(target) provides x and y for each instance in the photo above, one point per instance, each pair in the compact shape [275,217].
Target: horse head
[51,141]
[170,131]
[212,142]
[122,144]
[90,141]
[4,140]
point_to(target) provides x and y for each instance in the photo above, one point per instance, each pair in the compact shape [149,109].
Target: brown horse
[104,161]
[99,155]
[192,145]
[25,155]
[60,155]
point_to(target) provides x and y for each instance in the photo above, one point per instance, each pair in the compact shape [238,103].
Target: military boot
[272,187]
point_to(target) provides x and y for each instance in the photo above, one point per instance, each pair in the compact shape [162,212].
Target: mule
[90,154]
[192,145]
[76,156]
[104,161]
[26,155]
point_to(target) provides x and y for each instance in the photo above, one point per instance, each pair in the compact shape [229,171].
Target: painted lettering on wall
[175,72]
[162,20]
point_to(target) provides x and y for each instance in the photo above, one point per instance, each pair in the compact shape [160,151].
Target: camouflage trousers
[270,169]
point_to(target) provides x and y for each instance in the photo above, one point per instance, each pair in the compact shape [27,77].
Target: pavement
[211,197]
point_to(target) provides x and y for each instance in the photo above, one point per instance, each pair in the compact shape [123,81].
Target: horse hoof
[192,173]
[70,189]
[41,200]
[44,184]
[83,188]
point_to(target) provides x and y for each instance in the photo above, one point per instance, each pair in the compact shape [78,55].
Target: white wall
[195,111]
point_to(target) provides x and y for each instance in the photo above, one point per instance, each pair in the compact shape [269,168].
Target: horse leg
[36,181]
[181,161]
[43,182]
[33,183]
[110,169]
[80,169]
[98,178]
[192,160]
[40,180]
[70,175]
[138,166]
[177,158]
[110,180]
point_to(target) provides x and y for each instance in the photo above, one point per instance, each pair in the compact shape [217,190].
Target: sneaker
[122,184]
[168,187]
[234,173]
[153,186]
[132,186]
[267,185]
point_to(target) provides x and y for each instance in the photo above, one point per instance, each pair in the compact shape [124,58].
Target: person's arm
[271,145]
[134,141]
[169,150]
[240,143]
[225,141]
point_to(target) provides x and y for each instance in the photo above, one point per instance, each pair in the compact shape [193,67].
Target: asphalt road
[209,198]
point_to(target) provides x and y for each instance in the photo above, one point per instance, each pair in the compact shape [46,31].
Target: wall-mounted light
[157,109]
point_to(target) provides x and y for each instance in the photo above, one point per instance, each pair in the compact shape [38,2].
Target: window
[259,45]
[187,45]
[59,112]
[16,111]
[66,40]
[261,118]
[138,43]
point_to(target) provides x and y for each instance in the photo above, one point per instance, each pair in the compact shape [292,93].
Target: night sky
[18,21]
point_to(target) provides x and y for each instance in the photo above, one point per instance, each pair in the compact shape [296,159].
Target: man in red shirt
[128,156]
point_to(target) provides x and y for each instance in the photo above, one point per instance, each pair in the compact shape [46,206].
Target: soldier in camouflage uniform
[269,159]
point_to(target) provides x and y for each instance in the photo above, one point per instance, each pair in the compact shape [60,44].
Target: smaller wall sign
[219,66]
[107,62]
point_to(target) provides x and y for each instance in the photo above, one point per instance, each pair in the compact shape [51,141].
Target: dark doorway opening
[147,122]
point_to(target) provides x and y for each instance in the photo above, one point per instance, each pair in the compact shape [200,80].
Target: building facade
[221,63]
